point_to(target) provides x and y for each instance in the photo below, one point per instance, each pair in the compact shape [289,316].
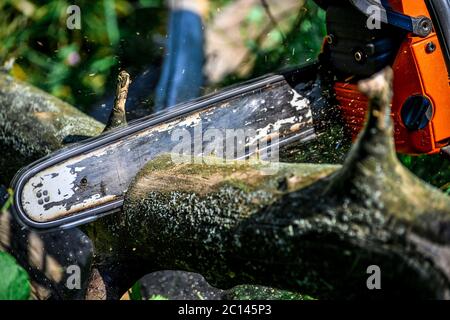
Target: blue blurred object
[182,72]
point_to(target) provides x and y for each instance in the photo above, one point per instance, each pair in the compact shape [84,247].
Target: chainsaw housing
[421,103]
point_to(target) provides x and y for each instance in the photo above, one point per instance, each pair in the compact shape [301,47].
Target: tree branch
[118,115]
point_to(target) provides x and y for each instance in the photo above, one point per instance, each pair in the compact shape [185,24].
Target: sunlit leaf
[157,297]
[14,283]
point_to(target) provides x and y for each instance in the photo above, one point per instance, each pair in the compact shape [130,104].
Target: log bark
[33,124]
[314,228]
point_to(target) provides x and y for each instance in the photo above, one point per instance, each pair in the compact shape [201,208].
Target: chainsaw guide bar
[84,181]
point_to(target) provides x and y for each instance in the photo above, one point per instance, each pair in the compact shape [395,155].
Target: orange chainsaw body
[418,71]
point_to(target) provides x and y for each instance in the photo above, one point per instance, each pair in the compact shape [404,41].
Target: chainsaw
[259,119]
[88,180]
[414,38]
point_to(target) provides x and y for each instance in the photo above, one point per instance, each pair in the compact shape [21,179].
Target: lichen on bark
[34,123]
[314,229]
[308,228]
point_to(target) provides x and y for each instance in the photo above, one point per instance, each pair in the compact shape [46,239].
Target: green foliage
[14,283]
[302,43]
[433,169]
[135,292]
[8,202]
[77,65]
[151,3]
[157,297]
[299,42]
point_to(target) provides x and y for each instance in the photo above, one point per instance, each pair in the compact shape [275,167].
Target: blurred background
[243,39]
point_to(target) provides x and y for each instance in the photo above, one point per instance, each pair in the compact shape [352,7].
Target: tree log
[311,228]
[314,228]
[33,124]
